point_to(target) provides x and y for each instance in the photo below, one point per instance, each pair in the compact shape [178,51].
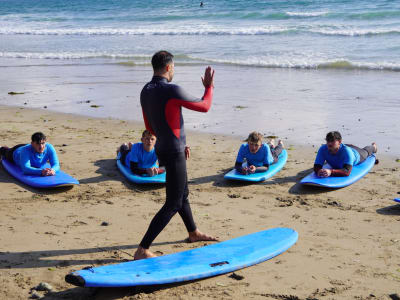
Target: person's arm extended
[26,165]
[345,171]
[53,159]
[134,166]
[180,98]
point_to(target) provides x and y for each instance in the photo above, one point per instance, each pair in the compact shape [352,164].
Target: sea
[295,69]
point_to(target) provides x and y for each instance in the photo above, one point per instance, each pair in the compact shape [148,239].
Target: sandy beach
[349,239]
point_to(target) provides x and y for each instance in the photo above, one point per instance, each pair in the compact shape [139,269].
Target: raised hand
[208,79]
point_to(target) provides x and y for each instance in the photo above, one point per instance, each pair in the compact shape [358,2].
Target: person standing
[162,104]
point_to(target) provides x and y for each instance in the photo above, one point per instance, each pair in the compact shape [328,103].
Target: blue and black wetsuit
[162,104]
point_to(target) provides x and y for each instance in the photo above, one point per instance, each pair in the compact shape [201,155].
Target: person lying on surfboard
[32,158]
[258,155]
[141,157]
[339,156]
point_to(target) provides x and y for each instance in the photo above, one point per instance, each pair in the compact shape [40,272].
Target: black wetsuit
[162,104]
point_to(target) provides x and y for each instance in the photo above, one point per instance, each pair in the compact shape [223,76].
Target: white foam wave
[356,32]
[183,30]
[298,63]
[74,55]
[306,14]
[207,30]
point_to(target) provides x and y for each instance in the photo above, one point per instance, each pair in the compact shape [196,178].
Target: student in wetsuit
[258,155]
[141,157]
[162,104]
[31,158]
[340,157]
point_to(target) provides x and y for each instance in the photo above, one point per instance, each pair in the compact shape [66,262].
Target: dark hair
[333,136]
[146,133]
[254,137]
[161,59]
[37,137]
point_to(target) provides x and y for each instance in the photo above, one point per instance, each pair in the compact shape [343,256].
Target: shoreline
[348,238]
[233,136]
[300,106]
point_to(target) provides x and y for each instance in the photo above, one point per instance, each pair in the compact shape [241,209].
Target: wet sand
[300,105]
[348,245]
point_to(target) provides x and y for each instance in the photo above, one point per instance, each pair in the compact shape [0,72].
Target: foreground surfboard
[58,180]
[397,200]
[256,177]
[137,178]
[192,264]
[358,172]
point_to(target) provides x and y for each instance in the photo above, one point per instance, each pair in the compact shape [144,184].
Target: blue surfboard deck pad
[138,178]
[58,180]
[256,177]
[203,262]
[358,172]
[396,200]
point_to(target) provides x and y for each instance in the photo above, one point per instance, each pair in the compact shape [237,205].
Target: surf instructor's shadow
[39,259]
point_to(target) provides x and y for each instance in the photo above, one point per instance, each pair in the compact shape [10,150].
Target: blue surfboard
[356,174]
[211,260]
[138,178]
[58,180]
[256,177]
[397,200]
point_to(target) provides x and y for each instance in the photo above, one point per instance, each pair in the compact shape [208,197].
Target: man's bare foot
[197,235]
[375,147]
[142,253]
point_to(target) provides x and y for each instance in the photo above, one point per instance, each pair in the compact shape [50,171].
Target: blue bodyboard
[137,178]
[60,179]
[397,200]
[356,174]
[256,177]
[208,261]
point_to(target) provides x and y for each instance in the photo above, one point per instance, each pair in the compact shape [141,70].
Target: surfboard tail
[75,280]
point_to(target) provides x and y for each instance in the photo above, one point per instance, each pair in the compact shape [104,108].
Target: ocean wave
[259,30]
[309,64]
[74,55]
[306,14]
[210,30]
[131,60]
[356,31]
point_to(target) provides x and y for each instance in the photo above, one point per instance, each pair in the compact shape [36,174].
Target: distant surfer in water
[201,4]
[162,104]
[339,156]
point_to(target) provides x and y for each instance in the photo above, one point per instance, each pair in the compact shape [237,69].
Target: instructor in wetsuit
[162,104]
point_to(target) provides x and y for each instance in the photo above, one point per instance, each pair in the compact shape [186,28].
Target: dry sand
[349,239]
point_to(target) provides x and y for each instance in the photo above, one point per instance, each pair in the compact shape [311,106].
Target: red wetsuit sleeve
[201,106]
[342,172]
